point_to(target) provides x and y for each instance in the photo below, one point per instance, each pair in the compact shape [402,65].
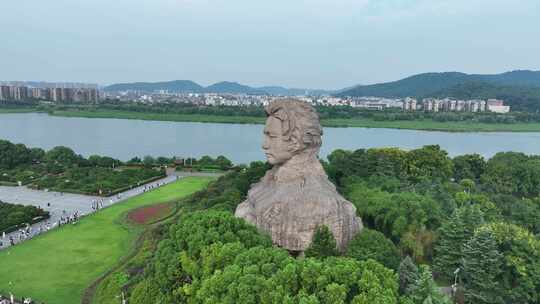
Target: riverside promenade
[67,204]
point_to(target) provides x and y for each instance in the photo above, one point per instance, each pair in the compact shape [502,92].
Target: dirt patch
[146,215]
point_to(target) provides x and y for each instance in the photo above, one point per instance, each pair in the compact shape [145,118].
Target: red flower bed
[150,214]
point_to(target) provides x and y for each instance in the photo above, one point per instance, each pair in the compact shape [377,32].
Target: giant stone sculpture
[295,196]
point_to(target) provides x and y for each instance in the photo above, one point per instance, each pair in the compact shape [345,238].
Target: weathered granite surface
[295,196]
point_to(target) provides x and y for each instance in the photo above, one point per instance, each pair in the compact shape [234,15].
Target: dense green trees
[12,155]
[407,218]
[62,156]
[372,244]
[323,243]
[213,257]
[520,276]
[513,173]
[469,166]
[443,212]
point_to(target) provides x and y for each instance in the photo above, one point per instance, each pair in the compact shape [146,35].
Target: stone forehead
[295,113]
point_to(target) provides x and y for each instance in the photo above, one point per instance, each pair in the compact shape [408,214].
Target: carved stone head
[292,128]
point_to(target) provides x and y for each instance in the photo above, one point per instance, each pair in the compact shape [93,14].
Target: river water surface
[124,139]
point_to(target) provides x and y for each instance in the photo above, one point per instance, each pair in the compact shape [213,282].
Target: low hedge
[119,190]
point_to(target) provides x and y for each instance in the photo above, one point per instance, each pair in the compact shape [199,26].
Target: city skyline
[326,45]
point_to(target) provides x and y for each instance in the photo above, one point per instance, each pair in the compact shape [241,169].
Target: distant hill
[281,91]
[173,86]
[233,88]
[224,87]
[429,83]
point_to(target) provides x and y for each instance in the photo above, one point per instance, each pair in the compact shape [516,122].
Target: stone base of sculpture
[291,200]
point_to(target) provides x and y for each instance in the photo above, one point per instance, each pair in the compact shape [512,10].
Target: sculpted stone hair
[299,120]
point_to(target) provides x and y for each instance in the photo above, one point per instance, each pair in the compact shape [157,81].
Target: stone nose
[265,145]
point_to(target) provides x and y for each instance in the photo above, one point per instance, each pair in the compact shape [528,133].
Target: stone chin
[274,161]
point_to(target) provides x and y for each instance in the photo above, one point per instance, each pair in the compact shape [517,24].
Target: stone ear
[295,144]
[312,137]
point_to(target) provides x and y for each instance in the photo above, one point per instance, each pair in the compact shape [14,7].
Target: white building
[498,109]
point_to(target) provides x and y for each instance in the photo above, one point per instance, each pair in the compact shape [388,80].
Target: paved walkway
[64,204]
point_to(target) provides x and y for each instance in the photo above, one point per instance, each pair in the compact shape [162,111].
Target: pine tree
[481,267]
[473,217]
[448,254]
[453,235]
[408,275]
[323,243]
[425,291]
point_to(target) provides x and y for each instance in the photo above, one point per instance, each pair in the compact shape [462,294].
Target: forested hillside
[428,84]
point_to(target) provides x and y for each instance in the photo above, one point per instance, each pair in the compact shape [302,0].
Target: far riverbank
[426,125]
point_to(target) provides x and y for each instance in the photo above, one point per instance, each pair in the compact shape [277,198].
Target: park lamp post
[455,285]
[123,297]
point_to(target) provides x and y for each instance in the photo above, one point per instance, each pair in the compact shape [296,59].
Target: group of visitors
[28,232]
[153,186]
[23,234]
[68,219]
[12,300]
[97,204]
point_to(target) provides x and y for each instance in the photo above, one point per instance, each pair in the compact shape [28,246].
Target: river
[124,139]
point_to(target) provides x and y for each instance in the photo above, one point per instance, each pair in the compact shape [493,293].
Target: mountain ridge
[428,83]
[224,87]
[418,85]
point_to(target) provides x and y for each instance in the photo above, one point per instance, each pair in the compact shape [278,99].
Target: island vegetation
[61,169]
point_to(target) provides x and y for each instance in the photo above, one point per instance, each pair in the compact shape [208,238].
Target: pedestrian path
[63,205]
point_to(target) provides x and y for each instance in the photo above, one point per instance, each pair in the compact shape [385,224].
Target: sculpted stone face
[276,146]
[295,196]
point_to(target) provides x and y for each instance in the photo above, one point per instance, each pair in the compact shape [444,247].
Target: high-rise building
[18,93]
[5,93]
[68,94]
[36,93]
[56,94]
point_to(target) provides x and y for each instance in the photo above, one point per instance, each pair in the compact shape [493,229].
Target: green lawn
[56,267]
[343,122]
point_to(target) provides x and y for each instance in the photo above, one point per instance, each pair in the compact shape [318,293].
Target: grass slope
[56,267]
[366,123]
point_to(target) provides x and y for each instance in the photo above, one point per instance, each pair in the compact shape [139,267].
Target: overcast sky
[295,43]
